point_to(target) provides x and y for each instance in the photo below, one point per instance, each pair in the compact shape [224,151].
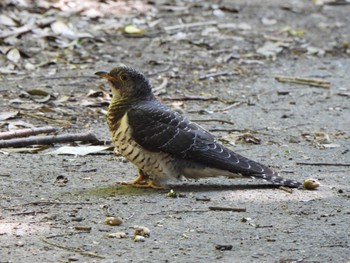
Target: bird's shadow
[219,187]
[117,190]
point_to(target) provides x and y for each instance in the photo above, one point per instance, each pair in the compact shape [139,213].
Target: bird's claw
[144,184]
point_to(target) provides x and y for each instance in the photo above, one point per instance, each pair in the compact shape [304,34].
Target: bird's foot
[142,184]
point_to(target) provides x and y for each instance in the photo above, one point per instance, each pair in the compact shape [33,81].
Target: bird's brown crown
[127,83]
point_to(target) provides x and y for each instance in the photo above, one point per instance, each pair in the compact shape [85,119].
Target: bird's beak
[104,74]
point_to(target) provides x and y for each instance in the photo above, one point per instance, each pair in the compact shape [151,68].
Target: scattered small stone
[83,228]
[244,219]
[223,247]
[118,235]
[182,195]
[172,194]
[340,191]
[311,184]
[113,221]
[141,231]
[138,238]
[73,259]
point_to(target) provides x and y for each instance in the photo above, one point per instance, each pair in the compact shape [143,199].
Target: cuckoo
[164,144]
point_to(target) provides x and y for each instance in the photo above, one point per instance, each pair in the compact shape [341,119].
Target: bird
[165,145]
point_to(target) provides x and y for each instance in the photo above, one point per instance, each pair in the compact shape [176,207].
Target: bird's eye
[123,77]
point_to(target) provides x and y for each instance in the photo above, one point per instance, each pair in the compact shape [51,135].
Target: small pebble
[311,184]
[138,238]
[113,221]
[118,235]
[141,231]
[83,228]
[223,247]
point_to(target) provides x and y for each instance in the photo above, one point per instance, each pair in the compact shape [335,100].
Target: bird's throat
[115,113]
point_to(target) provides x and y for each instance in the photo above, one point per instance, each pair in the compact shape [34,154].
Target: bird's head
[127,83]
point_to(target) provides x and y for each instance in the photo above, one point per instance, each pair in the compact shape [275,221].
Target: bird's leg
[142,181]
[142,176]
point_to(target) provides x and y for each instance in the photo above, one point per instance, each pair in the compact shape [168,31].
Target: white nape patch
[197,173]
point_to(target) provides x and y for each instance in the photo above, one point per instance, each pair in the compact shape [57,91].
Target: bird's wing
[158,128]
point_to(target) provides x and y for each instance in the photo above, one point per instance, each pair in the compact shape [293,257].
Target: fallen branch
[46,140]
[305,81]
[233,209]
[190,97]
[74,249]
[324,164]
[26,132]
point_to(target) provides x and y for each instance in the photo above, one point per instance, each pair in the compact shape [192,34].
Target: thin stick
[305,81]
[190,97]
[197,24]
[29,213]
[70,77]
[324,164]
[213,120]
[26,132]
[226,130]
[47,140]
[73,249]
[51,202]
[65,123]
[286,189]
[233,209]
[214,75]
[177,212]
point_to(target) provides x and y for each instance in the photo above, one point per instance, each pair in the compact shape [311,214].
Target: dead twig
[73,249]
[51,202]
[29,213]
[233,209]
[26,132]
[189,25]
[177,212]
[286,189]
[190,97]
[219,74]
[65,123]
[305,81]
[46,140]
[213,120]
[324,164]
[226,130]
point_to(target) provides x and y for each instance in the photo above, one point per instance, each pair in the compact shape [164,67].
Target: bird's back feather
[157,128]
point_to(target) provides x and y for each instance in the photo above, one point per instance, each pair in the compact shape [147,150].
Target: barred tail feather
[278,180]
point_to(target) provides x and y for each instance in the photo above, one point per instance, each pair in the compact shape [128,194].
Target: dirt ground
[53,207]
